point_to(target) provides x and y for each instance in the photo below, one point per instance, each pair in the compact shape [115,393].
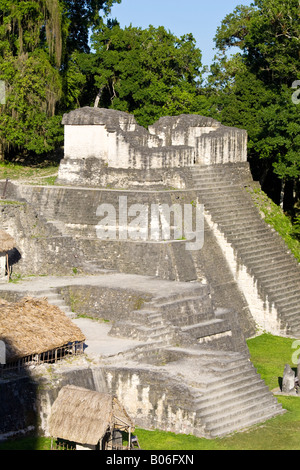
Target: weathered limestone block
[288,380]
[116,142]
[212,142]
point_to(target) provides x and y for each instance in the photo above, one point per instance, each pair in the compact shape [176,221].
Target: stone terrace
[181,316]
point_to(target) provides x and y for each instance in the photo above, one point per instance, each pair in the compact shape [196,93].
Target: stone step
[250,241]
[198,173]
[206,328]
[209,181]
[259,236]
[290,317]
[141,332]
[253,415]
[196,292]
[227,201]
[237,377]
[282,297]
[288,270]
[225,410]
[186,310]
[55,299]
[175,302]
[206,172]
[290,309]
[262,258]
[210,196]
[270,260]
[276,266]
[240,235]
[242,223]
[279,285]
[227,198]
[292,320]
[147,320]
[253,249]
[225,402]
[230,220]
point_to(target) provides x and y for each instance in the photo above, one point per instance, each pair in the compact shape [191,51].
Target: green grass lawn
[43,173]
[269,355]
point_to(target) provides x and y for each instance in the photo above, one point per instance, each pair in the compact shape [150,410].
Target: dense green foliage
[149,73]
[253,89]
[37,39]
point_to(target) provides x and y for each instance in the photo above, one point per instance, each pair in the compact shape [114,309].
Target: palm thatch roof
[33,326]
[84,416]
[7,242]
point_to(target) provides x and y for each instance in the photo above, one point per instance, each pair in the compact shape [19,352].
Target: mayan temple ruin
[184,300]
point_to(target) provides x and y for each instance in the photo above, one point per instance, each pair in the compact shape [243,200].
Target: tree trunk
[98,97]
[282,192]
[1,152]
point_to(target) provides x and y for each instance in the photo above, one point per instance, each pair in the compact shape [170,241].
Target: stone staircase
[257,247]
[179,319]
[234,399]
[223,389]
[54,298]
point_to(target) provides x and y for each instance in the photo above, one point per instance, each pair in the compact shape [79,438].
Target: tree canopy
[253,90]
[147,72]
[37,39]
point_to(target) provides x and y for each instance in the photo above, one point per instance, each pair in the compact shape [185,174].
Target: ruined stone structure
[108,147]
[191,309]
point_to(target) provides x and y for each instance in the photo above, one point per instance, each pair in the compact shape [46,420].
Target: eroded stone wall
[40,248]
[101,145]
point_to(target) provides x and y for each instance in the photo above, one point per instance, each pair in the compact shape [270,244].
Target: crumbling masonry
[193,310]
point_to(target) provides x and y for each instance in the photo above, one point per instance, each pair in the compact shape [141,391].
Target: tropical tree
[147,72]
[37,40]
[252,89]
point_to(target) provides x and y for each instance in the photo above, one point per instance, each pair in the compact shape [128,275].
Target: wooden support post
[7,267]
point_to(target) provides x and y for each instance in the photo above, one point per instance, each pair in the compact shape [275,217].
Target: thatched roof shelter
[84,416]
[7,242]
[33,326]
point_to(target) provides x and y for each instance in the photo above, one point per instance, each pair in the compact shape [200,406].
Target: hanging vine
[37,42]
[53,29]
[24,26]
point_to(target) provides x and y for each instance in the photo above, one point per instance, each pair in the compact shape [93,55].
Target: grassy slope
[38,174]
